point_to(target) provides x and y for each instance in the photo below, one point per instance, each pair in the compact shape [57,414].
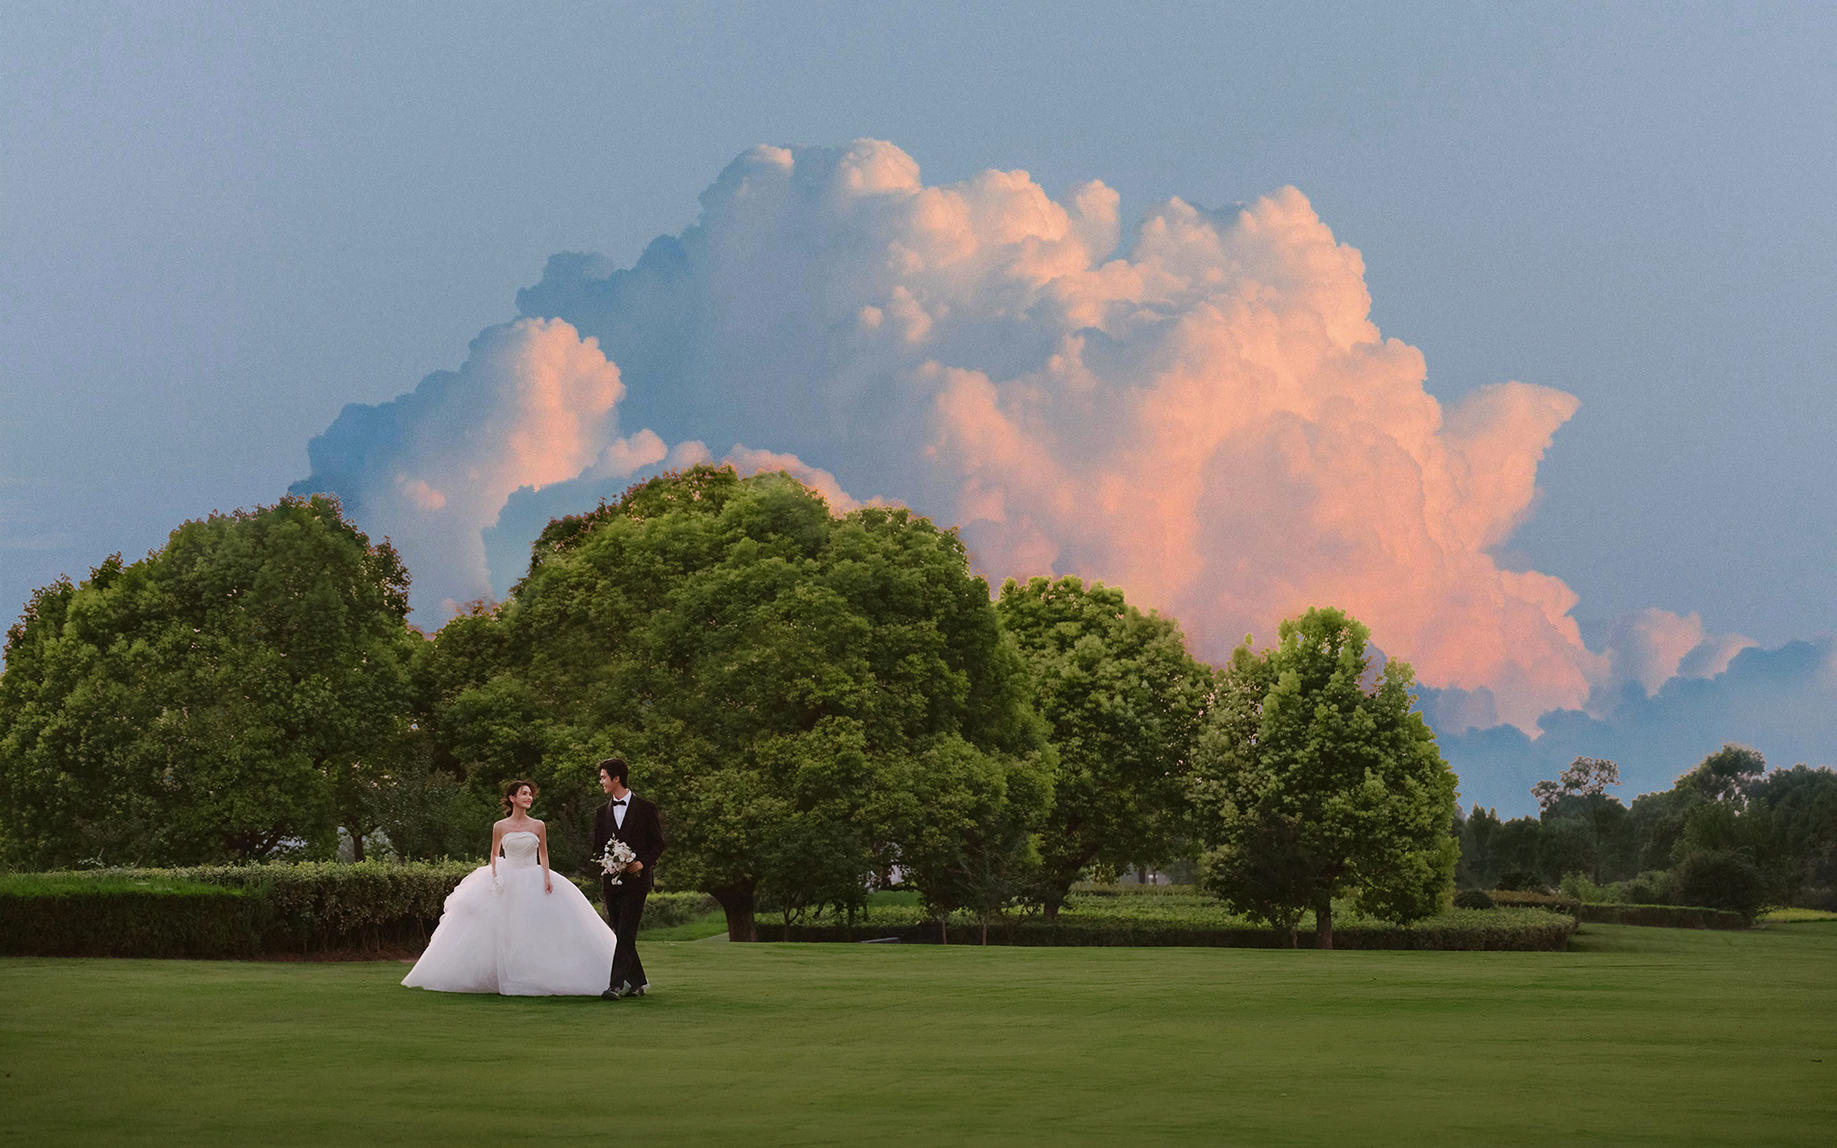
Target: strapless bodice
[520,848]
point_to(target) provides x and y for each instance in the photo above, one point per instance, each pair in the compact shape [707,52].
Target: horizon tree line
[817,700]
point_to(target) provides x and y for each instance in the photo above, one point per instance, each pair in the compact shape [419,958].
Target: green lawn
[1639,1036]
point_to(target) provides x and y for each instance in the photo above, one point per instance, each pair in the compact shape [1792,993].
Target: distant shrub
[1473,899]
[1525,898]
[1720,879]
[1520,881]
[1652,887]
[1824,899]
[1579,887]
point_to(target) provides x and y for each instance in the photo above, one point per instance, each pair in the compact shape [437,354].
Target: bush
[1578,887]
[662,910]
[1721,879]
[1473,899]
[1652,887]
[1520,881]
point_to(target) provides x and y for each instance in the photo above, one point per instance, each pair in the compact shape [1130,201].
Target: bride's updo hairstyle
[510,793]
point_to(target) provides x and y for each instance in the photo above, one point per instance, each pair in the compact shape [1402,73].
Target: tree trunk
[1051,902]
[357,844]
[944,929]
[1323,923]
[737,902]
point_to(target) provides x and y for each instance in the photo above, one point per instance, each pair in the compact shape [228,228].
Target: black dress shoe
[634,992]
[612,994]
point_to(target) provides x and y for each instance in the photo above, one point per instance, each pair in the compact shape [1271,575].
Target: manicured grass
[1783,915]
[1651,1036]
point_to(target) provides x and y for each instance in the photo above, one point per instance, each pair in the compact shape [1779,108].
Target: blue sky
[219,226]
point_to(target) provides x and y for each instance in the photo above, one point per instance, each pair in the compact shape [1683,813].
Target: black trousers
[624,908]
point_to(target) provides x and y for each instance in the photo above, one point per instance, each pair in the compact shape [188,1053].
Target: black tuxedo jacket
[643,831]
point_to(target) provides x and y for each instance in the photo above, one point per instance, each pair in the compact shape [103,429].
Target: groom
[629,818]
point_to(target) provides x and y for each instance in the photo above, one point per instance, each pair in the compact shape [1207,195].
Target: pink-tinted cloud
[532,404]
[1201,411]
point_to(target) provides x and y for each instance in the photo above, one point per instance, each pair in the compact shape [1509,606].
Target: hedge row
[304,908]
[1600,913]
[1520,929]
[1555,903]
[1663,916]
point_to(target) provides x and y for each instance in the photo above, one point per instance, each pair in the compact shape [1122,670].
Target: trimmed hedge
[1522,929]
[1603,913]
[1523,899]
[204,924]
[1663,916]
[211,912]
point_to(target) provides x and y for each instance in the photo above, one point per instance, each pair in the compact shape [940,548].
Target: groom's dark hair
[615,767]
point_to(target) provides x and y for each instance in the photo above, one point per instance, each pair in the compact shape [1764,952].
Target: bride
[510,927]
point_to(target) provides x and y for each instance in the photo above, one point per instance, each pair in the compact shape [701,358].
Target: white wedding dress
[517,940]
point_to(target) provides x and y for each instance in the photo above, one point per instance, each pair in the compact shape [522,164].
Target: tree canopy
[774,673]
[1317,778]
[1124,702]
[224,698]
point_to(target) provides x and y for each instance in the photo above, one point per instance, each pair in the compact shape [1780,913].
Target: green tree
[1725,775]
[1519,846]
[1124,702]
[1317,778]
[227,697]
[1801,806]
[1588,831]
[770,669]
[1479,865]
[968,823]
[1583,777]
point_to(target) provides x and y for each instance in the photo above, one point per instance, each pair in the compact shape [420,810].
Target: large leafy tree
[230,695]
[1124,702]
[1317,778]
[772,670]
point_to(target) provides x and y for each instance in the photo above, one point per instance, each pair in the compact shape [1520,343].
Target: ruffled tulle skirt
[517,941]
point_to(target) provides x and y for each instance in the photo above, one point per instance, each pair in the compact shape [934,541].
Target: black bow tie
[620,801]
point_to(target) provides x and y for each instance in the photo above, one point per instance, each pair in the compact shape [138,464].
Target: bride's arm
[497,836]
[542,855]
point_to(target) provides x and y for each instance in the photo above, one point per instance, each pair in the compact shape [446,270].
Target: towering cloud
[532,405]
[1203,413]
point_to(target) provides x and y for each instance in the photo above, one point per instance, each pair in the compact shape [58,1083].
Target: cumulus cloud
[532,405]
[1200,411]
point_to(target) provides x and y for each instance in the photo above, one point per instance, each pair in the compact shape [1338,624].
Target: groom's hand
[634,866]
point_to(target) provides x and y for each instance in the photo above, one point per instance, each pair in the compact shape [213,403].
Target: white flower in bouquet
[613,861]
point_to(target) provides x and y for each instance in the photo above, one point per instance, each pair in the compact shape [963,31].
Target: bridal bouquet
[613,861]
